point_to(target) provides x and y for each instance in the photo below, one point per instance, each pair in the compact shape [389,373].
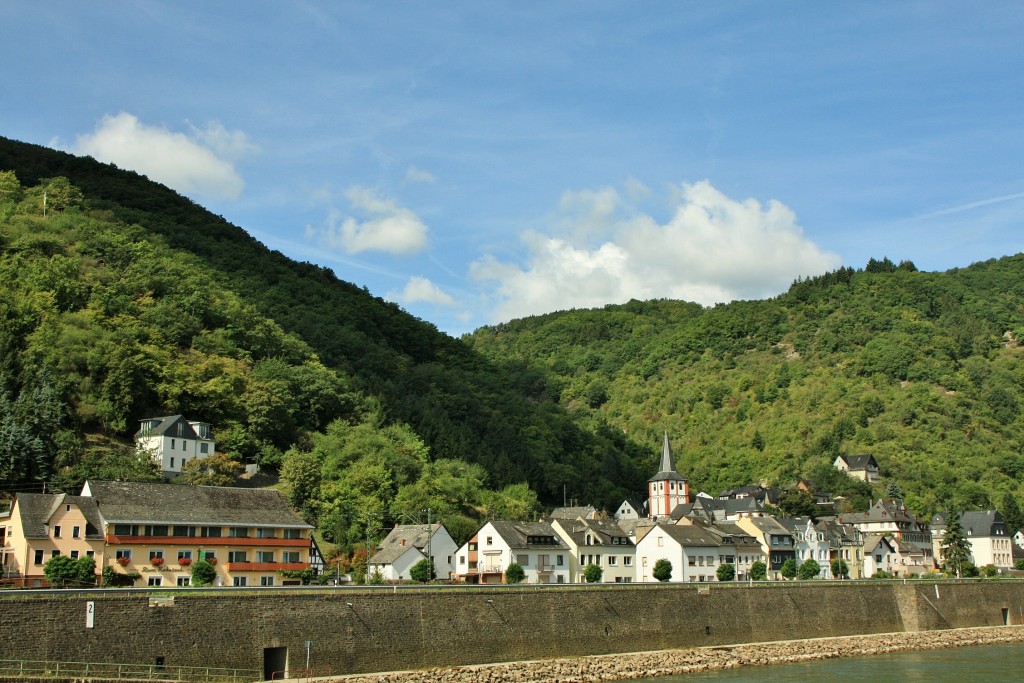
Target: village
[148,534]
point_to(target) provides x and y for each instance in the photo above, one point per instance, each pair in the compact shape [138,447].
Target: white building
[408,544]
[172,441]
[535,546]
[990,539]
[601,543]
[692,550]
[810,543]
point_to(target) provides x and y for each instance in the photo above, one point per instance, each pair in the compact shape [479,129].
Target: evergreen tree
[893,490]
[956,549]
[1013,517]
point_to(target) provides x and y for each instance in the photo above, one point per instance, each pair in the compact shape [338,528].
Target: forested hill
[129,301]
[134,301]
[922,370]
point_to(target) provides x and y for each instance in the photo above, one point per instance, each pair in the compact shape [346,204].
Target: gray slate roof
[516,534]
[401,539]
[691,535]
[36,509]
[159,503]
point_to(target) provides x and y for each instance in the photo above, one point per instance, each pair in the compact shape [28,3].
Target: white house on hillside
[172,441]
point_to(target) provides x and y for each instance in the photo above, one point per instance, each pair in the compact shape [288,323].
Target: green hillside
[922,370]
[127,300]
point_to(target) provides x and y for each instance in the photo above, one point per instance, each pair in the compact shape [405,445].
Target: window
[211,531]
[185,531]
[39,557]
[612,561]
[172,463]
[184,444]
[154,581]
[490,540]
[204,448]
[76,532]
[184,554]
[290,556]
[74,554]
[125,530]
[239,532]
[560,560]
[692,561]
[462,559]
[523,560]
[54,553]
[240,581]
[627,561]
[293,533]
[262,532]
[184,580]
[264,555]
[172,444]
[56,531]
[124,552]
[209,555]
[154,554]
[238,556]
[266,580]
[661,541]
[157,530]
[90,553]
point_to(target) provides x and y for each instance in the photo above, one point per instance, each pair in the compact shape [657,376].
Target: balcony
[266,566]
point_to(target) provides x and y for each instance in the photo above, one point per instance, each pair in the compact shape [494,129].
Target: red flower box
[123,561]
[156,561]
[184,561]
[212,560]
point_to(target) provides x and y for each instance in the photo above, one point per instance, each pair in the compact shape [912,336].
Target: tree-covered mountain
[922,370]
[127,300]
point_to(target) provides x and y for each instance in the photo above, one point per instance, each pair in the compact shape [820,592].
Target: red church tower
[667,488]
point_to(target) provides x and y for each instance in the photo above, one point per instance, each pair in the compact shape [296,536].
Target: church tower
[667,488]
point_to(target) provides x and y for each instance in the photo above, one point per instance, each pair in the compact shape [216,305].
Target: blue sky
[481,161]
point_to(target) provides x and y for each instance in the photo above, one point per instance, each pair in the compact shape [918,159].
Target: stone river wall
[351,631]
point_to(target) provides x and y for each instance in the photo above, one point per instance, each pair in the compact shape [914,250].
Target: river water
[979,664]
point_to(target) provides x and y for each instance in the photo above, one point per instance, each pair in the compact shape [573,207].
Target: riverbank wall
[348,631]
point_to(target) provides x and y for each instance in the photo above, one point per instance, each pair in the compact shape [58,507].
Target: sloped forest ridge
[127,300]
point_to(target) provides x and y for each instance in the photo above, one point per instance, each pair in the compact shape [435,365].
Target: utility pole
[430,554]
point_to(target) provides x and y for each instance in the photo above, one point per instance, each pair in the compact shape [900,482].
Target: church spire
[667,463]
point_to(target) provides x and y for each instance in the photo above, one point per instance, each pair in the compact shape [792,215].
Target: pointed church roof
[667,469]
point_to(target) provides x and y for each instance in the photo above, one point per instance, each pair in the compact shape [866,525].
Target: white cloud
[420,289]
[418,175]
[713,249]
[389,228]
[198,164]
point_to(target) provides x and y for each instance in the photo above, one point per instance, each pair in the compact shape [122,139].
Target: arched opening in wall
[1006,616]
[275,663]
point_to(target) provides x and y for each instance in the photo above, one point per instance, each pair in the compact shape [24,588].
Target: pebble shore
[676,662]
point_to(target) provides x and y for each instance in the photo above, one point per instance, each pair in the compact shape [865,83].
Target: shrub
[989,570]
[593,573]
[203,573]
[515,573]
[809,569]
[726,572]
[758,571]
[422,571]
[789,569]
[662,570]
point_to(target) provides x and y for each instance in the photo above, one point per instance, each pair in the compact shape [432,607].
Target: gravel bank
[675,662]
